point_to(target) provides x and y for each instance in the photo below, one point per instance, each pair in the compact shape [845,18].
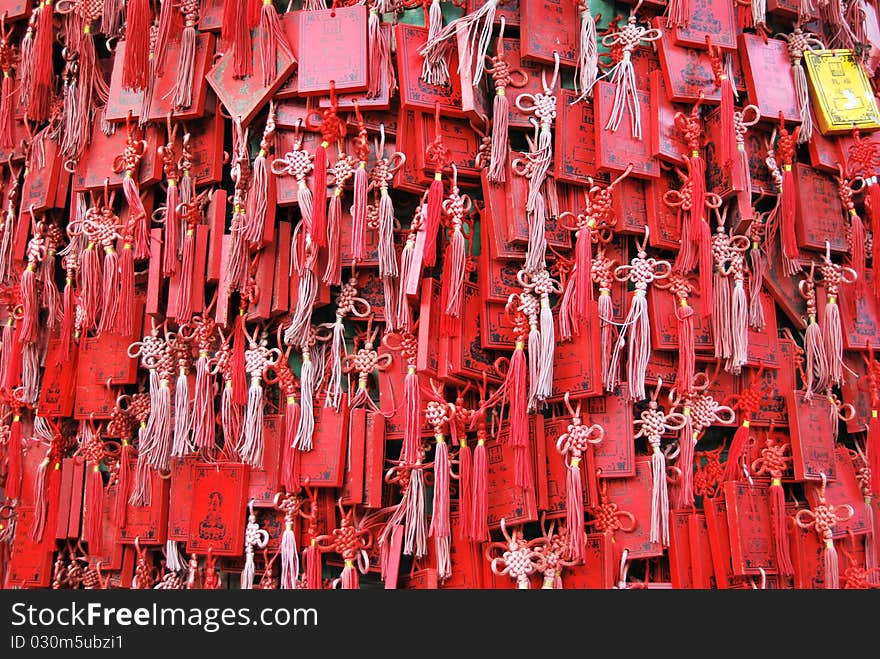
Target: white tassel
[251,449]
[289,558]
[306,428]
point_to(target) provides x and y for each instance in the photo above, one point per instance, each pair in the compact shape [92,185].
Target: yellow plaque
[842,96]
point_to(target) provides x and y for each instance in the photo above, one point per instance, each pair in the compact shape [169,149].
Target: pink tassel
[687,442]
[758,264]
[187,274]
[832,571]
[203,406]
[306,428]
[289,558]
[721,323]
[415,536]
[659,498]
[439,529]
[312,558]
[251,450]
[606,314]
[272,39]
[706,267]
[159,428]
[412,425]
[183,416]
[41,501]
[110,304]
[574,507]
[387,256]
[518,420]
[480,527]
[739,319]
[686,356]
[186,63]
[29,305]
[455,273]
[403,313]
[172,229]
[381,66]
[333,272]
[832,332]
[350,579]
[465,488]
[90,285]
[587,70]
[639,339]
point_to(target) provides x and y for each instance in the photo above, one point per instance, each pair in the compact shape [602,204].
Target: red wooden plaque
[219,504]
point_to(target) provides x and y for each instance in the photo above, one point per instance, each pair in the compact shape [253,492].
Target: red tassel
[42,74]
[574,510]
[125,313]
[439,529]
[432,217]
[780,529]
[272,39]
[41,501]
[50,499]
[235,34]
[6,111]
[203,406]
[874,199]
[291,422]
[706,268]
[732,468]
[237,371]
[319,182]
[584,270]
[110,289]
[789,214]
[519,420]
[167,25]
[361,180]
[136,65]
[14,460]
[94,508]
[454,273]
[187,274]
[11,361]
[686,442]
[479,519]
[313,568]
[697,178]
[686,355]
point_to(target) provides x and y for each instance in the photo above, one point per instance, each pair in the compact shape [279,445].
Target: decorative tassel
[480,527]
[136,67]
[361,180]
[544,388]
[728,146]
[786,151]
[312,560]
[90,285]
[41,76]
[798,42]
[30,312]
[110,289]
[258,196]
[721,308]
[758,264]
[187,274]
[289,557]
[272,39]
[518,419]
[687,441]
[203,406]
[290,464]
[251,451]
[857,250]
[465,487]
[587,69]
[833,276]
[387,256]
[381,66]
[238,367]
[435,68]
[333,130]
[780,529]
[166,26]
[333,272]
[677,14]
[94,508]
[606,314]
[415,537]
[50,295]
[122,478]
[183,420]
[439,529]
[7,87]
[172,228]
[235,33]
[623,77]
[739,318]
[501,78]
[413,417]
[230,412]
[684,312]
[186,63]
[830,560]
[574,507]
[659,497]
[306,428]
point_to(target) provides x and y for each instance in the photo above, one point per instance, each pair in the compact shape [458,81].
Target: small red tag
[763,346]
[353,485]
[630,206]
[556,470]
[332,48]
[148,524]
[577,364]
[264,483]
[206,144]
[467,358]
[281,276]
[668,142]
[532,70]
[62,519]
[859,315]
[415,93]
[394,554]
[121,102]
[243,98]
[507,501]
[841,492]
[154,276]
[30,563]
[15,9]
[457,136]
[508,9]
[574,146]
[662,364]
[498,278]
[615,151]
[718,177]
[820,219]
[180,496]
[714,20]
[546,31]
[162,98]
[217,517]
[769,79]
[57,390]
[374,460]
[633,495]
[110,551]
[662,304]
[41,183]
[784,291]
[663,221]
[701,552]
[96,166]
[210,15]
[812,445]
[494,222]
[410,177]
[498,329]
[687,72]
[751,533]
[824,154]
[324,465]
[428,359]
[615,454]
[598,569]
[681,572]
